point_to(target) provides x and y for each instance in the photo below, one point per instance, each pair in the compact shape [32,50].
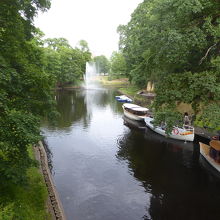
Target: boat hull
[133,116]
[177,133]
[123,98]
[204,150]
[134,123]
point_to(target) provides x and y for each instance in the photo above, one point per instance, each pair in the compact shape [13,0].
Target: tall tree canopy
[83,46]
[24,86]
[64,62]
[117,64]
[176,43]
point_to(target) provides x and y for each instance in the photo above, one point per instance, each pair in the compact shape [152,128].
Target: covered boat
[211,153]
[123,98]
[135,112]
[184,134]
[134,124]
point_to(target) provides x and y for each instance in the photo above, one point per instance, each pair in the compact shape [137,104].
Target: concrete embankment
[53,204]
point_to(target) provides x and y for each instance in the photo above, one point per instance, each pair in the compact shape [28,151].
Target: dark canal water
[108,168]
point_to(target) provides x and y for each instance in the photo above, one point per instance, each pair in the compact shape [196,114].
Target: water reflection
[72,109]
[170,172]
[107,167]
[49,155]
[212,173]
[140,125]
[78,106]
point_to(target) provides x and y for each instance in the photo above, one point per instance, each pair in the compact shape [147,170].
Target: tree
[87,55]
[64,62]
[57,43]
[175,43]
[118,64]
[102,64]
[25,88]
[83,46]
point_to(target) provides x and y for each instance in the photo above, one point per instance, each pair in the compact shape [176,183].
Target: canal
[106,167]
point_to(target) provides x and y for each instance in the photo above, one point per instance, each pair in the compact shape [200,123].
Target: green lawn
[131,90]
[104,80]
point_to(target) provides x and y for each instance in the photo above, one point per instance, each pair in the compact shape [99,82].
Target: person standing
[186,120]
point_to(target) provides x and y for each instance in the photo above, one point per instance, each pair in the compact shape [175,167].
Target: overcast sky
[95,21]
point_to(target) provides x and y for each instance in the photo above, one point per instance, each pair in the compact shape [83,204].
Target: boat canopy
[135,107]
[215,144]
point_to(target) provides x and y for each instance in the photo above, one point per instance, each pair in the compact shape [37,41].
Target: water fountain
[92,89]
[90,75]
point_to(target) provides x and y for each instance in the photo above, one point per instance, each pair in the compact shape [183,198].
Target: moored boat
[184,134]
[123,98]
[211,153]
[135,112]
[134,124]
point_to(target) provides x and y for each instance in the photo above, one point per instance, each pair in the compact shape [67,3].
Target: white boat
[134,124]
[135,112]
[123,98]
[184,134]
[211,153]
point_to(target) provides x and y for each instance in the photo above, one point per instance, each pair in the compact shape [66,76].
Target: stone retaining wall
[54,204]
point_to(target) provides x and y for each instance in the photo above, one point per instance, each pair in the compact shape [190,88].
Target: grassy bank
[25,202]
[104,80]
[132,92]
[124,87]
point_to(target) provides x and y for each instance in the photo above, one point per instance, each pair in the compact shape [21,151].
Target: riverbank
[25,202]
[38,199]
[140,97]
[146,99]
[125,87]
[104,80]
[54,204]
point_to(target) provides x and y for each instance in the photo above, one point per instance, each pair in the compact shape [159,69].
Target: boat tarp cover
[135,107]
[215,144]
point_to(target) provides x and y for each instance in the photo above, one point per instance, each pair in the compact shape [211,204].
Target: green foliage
[83,46]
[102,64]
[25,88]
[25,97]
[18,131]
[176,44]
[131,90]
[170,118]
[6,212]
[66,64]
[118,65]
[24,202]
[210,117]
